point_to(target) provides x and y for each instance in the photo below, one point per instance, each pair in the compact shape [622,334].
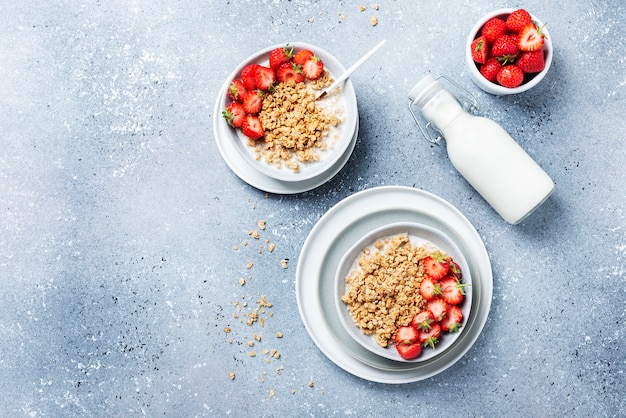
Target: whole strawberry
[505,49]
[279,56]
[480,50]
[493,28]
[517,20]
[531,62]
[490,69]
[510,76]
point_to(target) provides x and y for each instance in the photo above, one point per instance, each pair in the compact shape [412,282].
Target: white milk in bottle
[484,153]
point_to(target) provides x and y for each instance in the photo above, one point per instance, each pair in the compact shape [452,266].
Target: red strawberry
[517,20]
[505,49]
[409,351]
[531,61]
[264,78]
[530,38]
[455,269]
[430,337]
[289,71]
[438,307]
[435,266]
[313,67]
[252,102]
[302,56]
[252,127]
[247,76]
[429,288]
[493,28]
[480,50]
[236,90]
[279,56]
[406,335]
[453,319]
[510,76]
[423,320]
[490,71]
[451,290]
[234,114]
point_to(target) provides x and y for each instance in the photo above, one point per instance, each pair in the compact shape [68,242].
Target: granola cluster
[382,291]
[295,127]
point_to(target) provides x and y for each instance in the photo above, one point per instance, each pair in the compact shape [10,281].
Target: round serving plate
[342,226]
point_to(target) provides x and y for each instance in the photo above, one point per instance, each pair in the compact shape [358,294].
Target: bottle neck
[437,105]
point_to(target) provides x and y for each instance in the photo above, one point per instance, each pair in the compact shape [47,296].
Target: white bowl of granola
[303,138]
[377,288]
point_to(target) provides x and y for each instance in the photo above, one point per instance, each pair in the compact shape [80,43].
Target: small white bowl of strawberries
[508,51]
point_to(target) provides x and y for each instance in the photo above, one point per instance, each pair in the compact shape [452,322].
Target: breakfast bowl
[289,156]
[377,288]
[535,64]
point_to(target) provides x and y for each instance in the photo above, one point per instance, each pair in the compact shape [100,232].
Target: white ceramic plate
[419,234]
[338,140]
[342,226]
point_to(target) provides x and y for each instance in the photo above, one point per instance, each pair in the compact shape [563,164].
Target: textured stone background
[119,218]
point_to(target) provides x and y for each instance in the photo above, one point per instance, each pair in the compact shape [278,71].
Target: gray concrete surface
[119,218]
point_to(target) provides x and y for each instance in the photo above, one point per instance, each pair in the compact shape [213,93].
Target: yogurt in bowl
[377,287]
[285,153]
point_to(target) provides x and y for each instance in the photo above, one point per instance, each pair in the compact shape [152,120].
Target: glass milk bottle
[484,153]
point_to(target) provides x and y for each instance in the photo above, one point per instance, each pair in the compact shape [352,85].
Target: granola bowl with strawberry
[403,292]
[271,117]
[508,51]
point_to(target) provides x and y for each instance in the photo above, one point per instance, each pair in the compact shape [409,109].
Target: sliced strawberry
[236,90]
[409,351]
[480,50]
[302,56]
[489,70]
[423,320]
[510,76]
[406,335]
[455,270]
[438,307]
[531,62]
[279,56]
[430,337]
[517,20]
[429,288]
[264,78]
[252,102]
[493,28]
[247,76]
[530,38]
[452,320]
[313,67]
[435,266]
[252,127]
[505,49]
[451,290]
[289,71]
[234,114]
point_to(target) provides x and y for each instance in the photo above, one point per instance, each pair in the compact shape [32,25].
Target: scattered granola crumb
[226,330]
[242,281]
[257,337]
[245,243]
[261,224]
[279,335]
[374,21]
[229,340]
[232,376]
[280,369]
[311,20]
[362,8]
[235,247]
[270,247]
[293,391]
[254,234]
[252,354]
[250,343]
[262,379]
[375,6]
[266,351]
[272,393]
[310,383]
[249,265]
[342,16]
[283,263]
